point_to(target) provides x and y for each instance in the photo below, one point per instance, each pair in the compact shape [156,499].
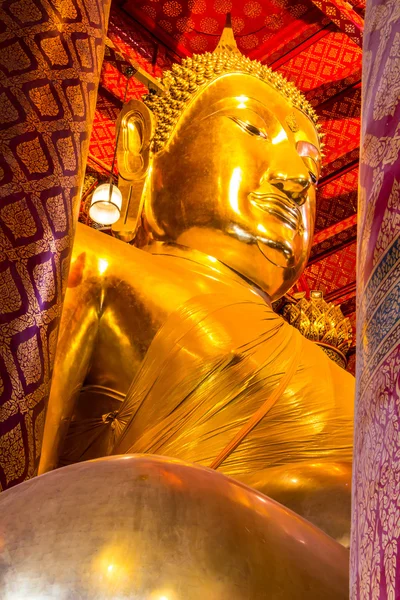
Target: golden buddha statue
[169,345]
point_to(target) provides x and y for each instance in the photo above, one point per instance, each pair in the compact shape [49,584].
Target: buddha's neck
[205,263]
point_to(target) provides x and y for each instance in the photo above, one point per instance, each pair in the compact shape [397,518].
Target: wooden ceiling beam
[344,16]
[334,249]
[291,40]
[340,166]
[342,294]
[290,53]
[140,74]
[333,230]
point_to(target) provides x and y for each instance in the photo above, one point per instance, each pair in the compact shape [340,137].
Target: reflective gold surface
[149,528]
[234,181]
[171,347]
[249,199]
[311,489]
[321,322]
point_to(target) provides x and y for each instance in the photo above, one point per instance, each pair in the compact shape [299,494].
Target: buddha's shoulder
[102,251]
[167,279]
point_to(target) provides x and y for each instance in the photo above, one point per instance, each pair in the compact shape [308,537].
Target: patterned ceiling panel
[333,272]
[335,229]
[332,58]
[341,137]
[346,162]
[102,142]
[337,200]
[136,42]
[340,120]
[344,16]
[115,81]
[195,25]
[327,90]
[340,295]
[349,306]
[277,50]
[333,244]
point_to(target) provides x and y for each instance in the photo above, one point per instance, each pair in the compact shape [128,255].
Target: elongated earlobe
[133,156]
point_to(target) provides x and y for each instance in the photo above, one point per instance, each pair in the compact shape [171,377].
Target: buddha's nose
[294,186]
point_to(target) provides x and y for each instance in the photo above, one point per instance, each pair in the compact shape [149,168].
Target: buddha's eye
[314,178]
[249,128]
[310,155]
[312,168]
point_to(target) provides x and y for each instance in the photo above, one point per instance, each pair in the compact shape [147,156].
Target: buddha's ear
[133,155]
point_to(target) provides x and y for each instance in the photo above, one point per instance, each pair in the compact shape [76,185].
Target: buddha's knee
[318,491]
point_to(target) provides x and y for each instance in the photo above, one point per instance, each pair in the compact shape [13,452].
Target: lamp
[106,202]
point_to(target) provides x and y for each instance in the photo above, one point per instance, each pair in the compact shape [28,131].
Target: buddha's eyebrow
[224,111]
[255,112]
[248,127]
[247,103]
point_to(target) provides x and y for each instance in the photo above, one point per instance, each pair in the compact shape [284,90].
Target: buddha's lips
[278,206]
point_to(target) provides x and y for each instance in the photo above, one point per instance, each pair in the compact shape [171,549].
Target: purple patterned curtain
[375,555]
[50,61]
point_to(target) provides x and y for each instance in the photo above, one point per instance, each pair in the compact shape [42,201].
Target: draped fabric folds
[190,398]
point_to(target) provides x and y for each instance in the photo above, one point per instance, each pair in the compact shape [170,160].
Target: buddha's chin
[278,253]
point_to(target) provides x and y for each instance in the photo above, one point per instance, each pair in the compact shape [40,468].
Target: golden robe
[204,377]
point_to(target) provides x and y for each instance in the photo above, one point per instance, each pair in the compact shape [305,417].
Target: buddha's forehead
[241,91]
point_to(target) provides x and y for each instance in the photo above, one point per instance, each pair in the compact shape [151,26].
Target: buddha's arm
[78,330]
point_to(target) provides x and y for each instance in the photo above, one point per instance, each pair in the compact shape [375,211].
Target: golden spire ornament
[321,322]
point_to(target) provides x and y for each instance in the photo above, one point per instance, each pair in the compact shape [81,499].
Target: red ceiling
[291,36]
[195,26]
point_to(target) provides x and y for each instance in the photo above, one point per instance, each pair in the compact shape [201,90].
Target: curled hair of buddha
[187,79]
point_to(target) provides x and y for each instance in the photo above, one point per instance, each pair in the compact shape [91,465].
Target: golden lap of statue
[151,528]
[169,345]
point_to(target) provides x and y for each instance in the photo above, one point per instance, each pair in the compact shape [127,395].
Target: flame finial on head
[227,42]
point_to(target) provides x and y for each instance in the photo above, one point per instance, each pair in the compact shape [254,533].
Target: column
[375,552]
[51,53]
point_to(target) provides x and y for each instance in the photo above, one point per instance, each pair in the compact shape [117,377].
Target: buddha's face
[237,182]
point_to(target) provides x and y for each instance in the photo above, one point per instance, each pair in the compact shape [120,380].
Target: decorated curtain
[375,552]
[50,59]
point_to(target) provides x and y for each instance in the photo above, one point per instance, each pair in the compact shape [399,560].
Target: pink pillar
[375,555]
[50,60]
